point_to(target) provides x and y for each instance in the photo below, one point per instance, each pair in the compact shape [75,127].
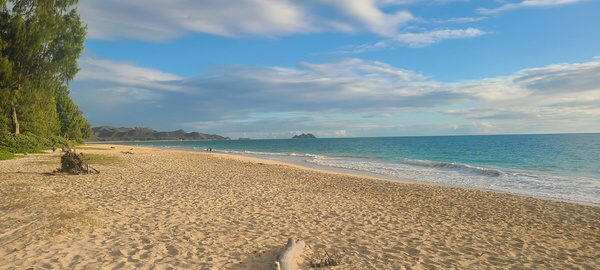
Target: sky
[342,68]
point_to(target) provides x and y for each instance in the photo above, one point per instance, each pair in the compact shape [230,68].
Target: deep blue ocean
[556,166]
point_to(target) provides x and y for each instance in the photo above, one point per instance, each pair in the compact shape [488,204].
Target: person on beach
[54,148]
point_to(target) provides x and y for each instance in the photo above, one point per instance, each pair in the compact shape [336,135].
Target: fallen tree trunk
[285,260]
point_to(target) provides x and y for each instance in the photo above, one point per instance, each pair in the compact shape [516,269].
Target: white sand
[197,210]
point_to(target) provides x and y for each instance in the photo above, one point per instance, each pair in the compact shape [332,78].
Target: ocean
[555,166]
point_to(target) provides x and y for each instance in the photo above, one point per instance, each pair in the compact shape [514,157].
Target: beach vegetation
[71,221]
[5,155]
[40,42]
[30,143]
[325,259]
[20,143]
[99,159]
[90,148]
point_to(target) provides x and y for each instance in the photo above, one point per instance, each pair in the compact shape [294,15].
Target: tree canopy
[40,42]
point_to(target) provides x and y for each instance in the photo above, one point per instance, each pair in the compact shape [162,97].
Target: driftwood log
[73,163]
[285,260]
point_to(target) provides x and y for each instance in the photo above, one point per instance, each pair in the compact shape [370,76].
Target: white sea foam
[579,189]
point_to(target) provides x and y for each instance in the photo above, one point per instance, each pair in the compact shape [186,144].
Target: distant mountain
[108,133]
[304,136]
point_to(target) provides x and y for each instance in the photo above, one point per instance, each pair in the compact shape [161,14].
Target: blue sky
[336,68]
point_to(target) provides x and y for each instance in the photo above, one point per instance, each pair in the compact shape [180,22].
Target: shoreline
[374,176]
[365,174]
[184,209]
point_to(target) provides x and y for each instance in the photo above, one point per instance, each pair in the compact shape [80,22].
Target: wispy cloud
[528,4]
[369,15]
[157,20]
[413,40]
[458,20]
[228,99]
[123,73]
[431,37]
[367,47]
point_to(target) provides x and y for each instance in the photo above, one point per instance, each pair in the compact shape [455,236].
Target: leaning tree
[40,42]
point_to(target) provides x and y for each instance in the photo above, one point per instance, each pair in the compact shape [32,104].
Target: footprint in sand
[172,250]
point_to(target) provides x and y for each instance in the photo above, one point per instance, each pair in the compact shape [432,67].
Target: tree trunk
[15,120]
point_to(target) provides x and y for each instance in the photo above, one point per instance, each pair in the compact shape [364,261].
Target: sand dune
[180,209]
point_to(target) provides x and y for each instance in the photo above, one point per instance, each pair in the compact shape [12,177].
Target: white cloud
[415,40]
[372,69]
[428,38]
[158,20]
[528,3]
[370,15]
[365,96]
[484,127]
[458,20]
[367,47]
[120,95]
[125,74]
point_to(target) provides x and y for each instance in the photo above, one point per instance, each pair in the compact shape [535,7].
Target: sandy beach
[189,210]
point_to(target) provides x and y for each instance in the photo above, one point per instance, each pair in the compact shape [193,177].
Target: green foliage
[38,111]
[4,118]
[40,42]
[59,141]
[19,143]
[72,123]
[5,155]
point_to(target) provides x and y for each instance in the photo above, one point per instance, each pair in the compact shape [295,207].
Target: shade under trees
[40,42]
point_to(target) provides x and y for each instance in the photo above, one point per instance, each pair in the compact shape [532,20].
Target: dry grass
[51,213]
[23,198]
[52,160]
[89,148]
[92,159]
[14,205]
[71,222]
[97,159]
[20,195]
[20,184]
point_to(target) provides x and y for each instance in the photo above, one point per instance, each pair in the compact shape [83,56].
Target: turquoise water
[558,166]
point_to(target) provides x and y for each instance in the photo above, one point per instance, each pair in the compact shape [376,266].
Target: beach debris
[73,163]
[128,152]
[112,147]
[326,260]
[285,260]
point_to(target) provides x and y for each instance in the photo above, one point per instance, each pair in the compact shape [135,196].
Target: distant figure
[210,149]
[54,148]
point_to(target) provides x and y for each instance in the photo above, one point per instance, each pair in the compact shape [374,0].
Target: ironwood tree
[40,42]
